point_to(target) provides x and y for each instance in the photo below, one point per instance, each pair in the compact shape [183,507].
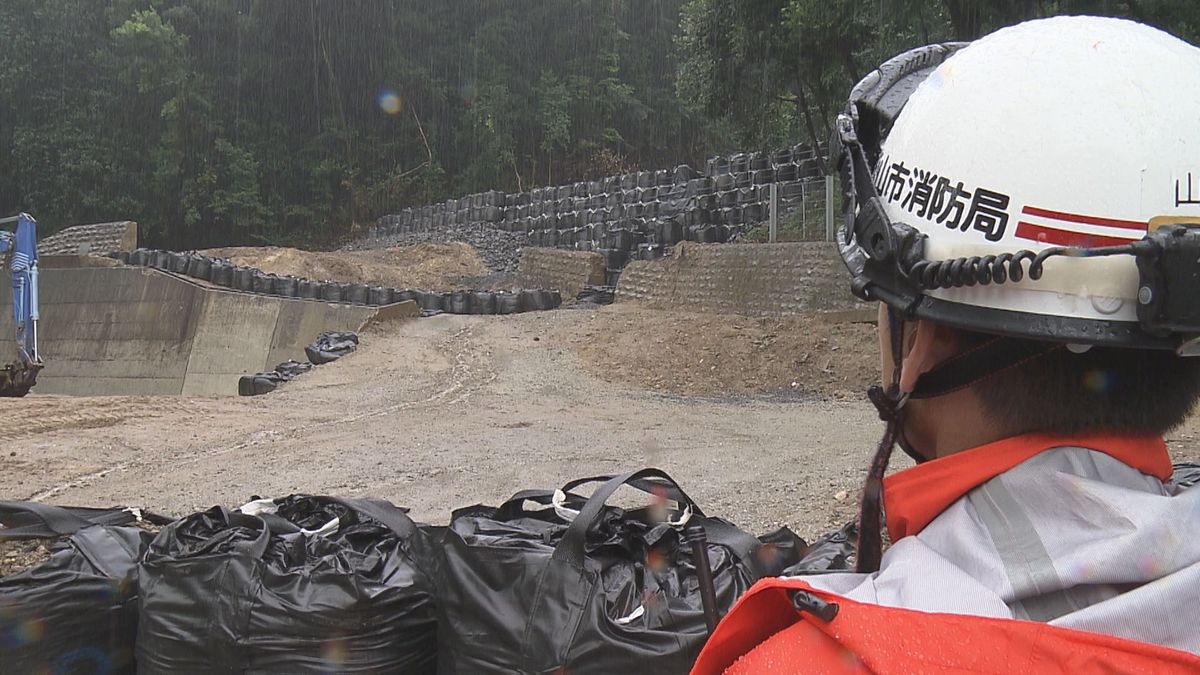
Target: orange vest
[764,633]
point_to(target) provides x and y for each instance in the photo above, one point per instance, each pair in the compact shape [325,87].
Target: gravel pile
[499,250]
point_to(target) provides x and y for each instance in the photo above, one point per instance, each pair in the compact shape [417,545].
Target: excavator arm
[18,250]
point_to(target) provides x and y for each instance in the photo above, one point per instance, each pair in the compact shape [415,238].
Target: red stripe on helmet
[1086,220]
[1051,235]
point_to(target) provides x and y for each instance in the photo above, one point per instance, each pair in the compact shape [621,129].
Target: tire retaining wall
[564,271]
[752,279]
[132,331]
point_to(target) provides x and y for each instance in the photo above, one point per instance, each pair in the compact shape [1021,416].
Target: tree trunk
[806,112]
[964,18]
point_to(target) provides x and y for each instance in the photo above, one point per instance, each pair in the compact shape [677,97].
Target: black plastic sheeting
[612,591]
[77,611]
[226,591]
[597,295]
[331,346]
[834,552]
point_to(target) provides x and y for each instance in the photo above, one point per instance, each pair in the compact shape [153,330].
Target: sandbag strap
[571,548]
[385,513]
[33,520]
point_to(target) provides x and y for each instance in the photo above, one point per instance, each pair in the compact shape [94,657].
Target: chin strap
[890,405]
[960,371]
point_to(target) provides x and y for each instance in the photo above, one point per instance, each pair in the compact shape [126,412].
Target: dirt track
[448,411]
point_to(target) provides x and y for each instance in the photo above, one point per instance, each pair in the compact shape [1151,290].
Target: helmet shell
[1070,131]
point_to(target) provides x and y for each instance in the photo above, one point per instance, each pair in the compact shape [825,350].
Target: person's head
[1027,206]
[1064,391]
[981,182]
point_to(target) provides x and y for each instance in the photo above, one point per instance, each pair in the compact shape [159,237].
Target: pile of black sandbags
[224,273]
[633,216]
[329,346]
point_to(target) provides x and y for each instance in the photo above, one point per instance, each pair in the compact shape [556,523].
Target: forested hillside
[219,122]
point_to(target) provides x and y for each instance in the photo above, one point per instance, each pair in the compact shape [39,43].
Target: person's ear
[927,351]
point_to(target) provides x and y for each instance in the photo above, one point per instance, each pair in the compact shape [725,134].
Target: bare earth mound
[434,267]
[710,354]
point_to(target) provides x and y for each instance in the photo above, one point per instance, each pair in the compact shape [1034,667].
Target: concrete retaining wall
[564,271]
[126,330]
[754,279]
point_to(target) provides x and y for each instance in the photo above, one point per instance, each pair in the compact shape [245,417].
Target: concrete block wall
[128,330]
[94,239]
[564,271]
[751,279]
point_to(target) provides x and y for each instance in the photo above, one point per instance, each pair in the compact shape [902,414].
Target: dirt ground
[692,354]
[449,411]
[435,267]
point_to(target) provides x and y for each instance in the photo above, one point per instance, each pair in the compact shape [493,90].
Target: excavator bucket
[16,379]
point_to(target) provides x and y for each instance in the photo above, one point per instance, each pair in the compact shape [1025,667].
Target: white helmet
[1034,183]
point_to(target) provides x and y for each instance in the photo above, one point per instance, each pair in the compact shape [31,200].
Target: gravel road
[444,412]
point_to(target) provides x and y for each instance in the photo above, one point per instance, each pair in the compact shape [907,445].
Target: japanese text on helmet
[943,200]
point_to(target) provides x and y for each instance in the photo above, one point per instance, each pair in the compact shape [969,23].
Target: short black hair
[1104,389]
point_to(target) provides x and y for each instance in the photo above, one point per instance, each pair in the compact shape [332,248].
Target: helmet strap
[890,405]
[959,372]
[979,363]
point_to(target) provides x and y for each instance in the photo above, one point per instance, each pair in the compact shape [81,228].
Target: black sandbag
[529,301]
[140,257]
[405,295]
[308,289]
[222,274]
[460,303]
[378,295]
[834,552]
[311,584]
[285,287]
[611,591]
[598,295]
[199,267]
[262,283]
[331,291]
[160,259]
[243,278]
[290,369]
[177,262]
[483,302]
[331,346]
[429,302]
[75,612]
[259,383]
[356,293]
[508,303]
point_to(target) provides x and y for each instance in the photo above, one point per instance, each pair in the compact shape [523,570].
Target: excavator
[18,250]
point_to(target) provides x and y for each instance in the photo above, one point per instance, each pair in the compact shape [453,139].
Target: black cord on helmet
[998,269]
